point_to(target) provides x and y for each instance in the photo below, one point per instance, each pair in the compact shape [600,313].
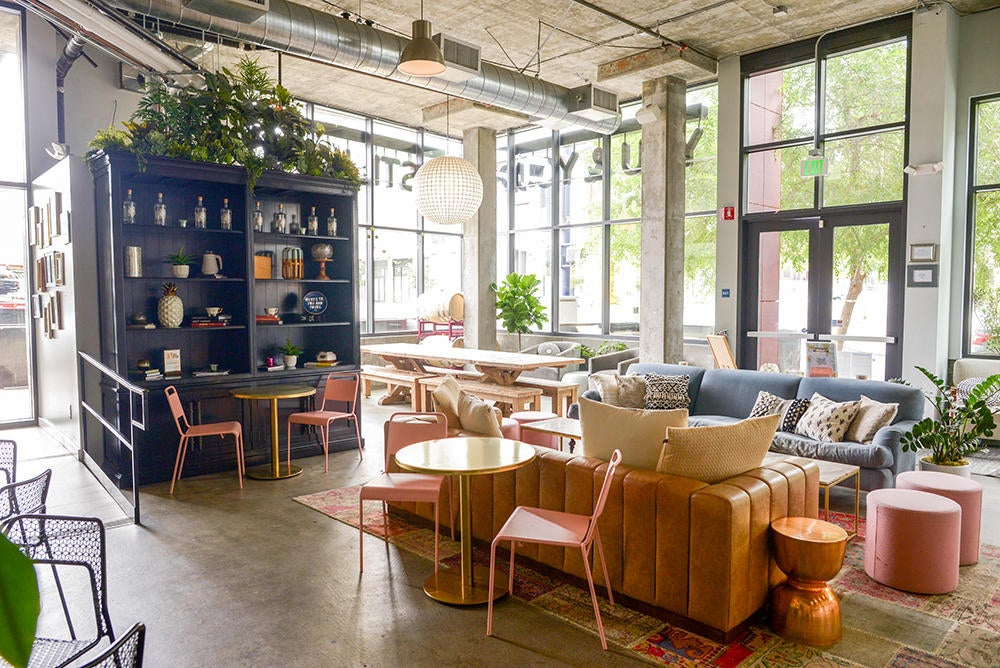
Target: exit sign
[813,166]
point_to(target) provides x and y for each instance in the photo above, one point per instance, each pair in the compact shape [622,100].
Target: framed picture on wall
[36,306]
[172,362]
[923,252]
[59,268]
[921,276]
[58,310]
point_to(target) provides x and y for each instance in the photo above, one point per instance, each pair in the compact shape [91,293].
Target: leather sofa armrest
[889,437]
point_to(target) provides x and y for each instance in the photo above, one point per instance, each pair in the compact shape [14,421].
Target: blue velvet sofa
[724,396]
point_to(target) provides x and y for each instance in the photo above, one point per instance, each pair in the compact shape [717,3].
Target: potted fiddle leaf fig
[518,306]
[957,430]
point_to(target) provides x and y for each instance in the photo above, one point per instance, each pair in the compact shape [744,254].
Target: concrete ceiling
[509,31]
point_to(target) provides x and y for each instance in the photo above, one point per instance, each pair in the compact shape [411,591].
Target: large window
[983,335]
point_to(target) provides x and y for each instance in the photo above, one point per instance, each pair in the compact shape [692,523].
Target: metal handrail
[127,441]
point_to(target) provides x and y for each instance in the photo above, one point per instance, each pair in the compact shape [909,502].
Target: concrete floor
[230,577]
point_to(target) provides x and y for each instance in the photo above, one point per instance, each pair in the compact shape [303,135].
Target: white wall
[728,193]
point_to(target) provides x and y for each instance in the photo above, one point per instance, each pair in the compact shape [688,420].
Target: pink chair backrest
[180,419]
[342,388]
[402,429]
[616,458]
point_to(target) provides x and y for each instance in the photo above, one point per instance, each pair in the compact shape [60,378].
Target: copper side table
[805,609]
[276,470]
[464,458]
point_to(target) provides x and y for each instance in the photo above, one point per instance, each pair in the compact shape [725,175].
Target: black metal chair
[65,542]
[126,652]
[8,460]
[27,496]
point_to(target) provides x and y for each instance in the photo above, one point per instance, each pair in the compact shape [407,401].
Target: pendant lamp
[421,57]
[448,189]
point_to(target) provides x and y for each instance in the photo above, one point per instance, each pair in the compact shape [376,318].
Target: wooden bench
[561,394]
[399,381]
[519,397]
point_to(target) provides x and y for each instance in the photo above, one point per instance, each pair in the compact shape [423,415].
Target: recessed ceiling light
[780,10]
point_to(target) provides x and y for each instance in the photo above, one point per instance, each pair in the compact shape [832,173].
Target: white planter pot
[290,361]
[181,270]
[965,471]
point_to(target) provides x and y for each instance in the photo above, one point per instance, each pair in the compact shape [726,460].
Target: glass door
[824,295]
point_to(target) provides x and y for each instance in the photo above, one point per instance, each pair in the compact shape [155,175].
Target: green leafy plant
[242,117]
[290,349]
[19,604]
[961,425]
[518,306]
[986,301]
[180,258]
[586,352]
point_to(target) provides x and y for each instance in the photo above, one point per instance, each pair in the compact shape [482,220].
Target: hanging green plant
[238,118]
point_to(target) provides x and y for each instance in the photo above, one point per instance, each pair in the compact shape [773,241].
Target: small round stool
[534,437]
[510,428]
[913,540]
[963,491]
[810,551]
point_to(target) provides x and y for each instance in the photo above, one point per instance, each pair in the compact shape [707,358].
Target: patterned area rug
[986,462]
[882,626]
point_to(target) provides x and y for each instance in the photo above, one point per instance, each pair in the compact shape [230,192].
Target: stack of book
[221,320]
[319,365]
[146,374]
[268,320]
[273,367]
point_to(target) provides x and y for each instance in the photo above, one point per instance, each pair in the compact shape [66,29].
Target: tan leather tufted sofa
[695,550]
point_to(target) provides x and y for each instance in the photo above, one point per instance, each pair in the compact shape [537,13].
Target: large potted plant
[958,428]
[518,306]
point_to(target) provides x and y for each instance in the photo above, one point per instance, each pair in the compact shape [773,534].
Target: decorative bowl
[322,251]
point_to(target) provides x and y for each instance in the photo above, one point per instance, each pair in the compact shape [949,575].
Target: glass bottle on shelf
[312,223]
[258,219]
[225,215]
[294,227]
[128,209]
[159,211]
[200,215]
[279,224]
[331,224]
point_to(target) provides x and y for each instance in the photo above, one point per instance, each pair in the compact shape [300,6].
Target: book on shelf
[320,365]
[209,372]
[268,320]
[199,324]
[148,325]
[276,367]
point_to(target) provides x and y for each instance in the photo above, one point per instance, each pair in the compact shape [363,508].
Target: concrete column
[479,263]
[727,240]
[929,206]
[661,299]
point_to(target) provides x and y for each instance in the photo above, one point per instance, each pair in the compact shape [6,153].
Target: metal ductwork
[303,31]
[72,51]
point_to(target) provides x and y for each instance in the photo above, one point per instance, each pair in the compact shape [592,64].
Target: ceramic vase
[181,270]
[291,361]
[965,471]
[170,310]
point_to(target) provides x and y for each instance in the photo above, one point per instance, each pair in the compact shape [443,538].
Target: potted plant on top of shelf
[959,429]
[181,263]
[290,352]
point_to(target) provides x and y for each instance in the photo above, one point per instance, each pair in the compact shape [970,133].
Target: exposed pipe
[72,51]
[306,32]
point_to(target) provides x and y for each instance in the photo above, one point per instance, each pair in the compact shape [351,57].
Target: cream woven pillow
[476,415]
[631,391]
[445,398]
[637,433]
[872,416]
[607,385]
[714,454]
[826,420]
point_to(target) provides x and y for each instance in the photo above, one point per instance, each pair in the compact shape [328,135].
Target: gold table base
[447,586]
[267,472]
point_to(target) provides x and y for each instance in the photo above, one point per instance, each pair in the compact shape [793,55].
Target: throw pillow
[792,414]
[637,433]
[766,404]
[446,400]
[667,392]
[826,420]
[714,454]
[548,348]
[631,391]
[476,415]
[607,385]
[872,416]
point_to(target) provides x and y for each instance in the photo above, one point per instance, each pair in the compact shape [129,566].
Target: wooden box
[261,266]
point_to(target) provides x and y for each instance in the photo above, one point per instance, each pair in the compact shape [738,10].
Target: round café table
[277,469]
[464,457]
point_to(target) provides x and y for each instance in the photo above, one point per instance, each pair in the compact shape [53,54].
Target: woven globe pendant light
[448,189]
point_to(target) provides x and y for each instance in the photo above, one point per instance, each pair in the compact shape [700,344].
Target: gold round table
[276,470]
[464,457]
[810,551]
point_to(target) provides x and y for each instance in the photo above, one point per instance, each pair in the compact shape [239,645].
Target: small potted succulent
[290,352]
[181,263]
[958,429]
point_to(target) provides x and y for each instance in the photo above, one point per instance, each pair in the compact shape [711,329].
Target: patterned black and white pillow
[667,392]
[827,420]
[793,414]
[766,404]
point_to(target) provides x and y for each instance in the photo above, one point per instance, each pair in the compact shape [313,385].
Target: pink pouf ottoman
[535,437]
[510,429]
[913,540]
[966,493]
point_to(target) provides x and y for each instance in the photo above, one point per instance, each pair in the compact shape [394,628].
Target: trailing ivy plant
[242,117]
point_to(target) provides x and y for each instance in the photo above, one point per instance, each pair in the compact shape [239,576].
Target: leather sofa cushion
[637,433]
[845,452]
[714,454]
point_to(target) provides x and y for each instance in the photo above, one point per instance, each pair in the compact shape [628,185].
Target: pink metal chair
[554,527]
[189,431]
[402,429]
[340,388]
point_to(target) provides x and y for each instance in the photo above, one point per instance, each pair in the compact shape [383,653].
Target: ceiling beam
[653,58]
[457,105]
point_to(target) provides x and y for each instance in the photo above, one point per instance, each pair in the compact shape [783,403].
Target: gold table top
[472,455]
[274,392]
[809,530]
